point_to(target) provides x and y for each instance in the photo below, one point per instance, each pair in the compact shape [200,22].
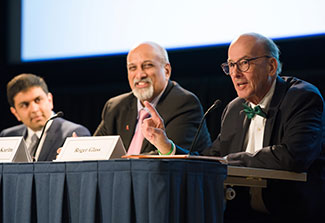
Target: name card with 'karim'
[91,148]
[13,149]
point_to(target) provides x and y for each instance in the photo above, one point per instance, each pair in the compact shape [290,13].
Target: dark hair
[23,82]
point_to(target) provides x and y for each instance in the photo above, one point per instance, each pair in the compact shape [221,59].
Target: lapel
[245,126]
[128,121]
[52,136]
[146,145]
[279,93]
[24,132]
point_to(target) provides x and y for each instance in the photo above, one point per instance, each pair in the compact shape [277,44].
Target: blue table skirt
[113,191]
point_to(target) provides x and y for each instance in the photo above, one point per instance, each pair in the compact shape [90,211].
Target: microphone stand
[57,115]
[213,106]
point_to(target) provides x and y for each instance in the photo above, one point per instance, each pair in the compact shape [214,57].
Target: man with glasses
[275,123]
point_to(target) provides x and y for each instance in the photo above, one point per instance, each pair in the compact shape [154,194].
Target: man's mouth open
[241,85]
[142,84]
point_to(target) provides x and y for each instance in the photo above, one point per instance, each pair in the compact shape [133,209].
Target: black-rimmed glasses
[242,65]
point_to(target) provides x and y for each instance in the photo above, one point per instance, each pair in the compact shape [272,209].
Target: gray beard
[143,94]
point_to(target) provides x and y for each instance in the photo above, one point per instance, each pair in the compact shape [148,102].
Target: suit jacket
[293,140]
[180,109]
[56,134]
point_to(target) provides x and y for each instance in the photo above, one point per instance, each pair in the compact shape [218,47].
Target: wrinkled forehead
[143,52]
[245,46]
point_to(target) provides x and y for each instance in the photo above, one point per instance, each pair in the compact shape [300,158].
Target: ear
[168,70]
[273,66]
[14,112]
[50,98]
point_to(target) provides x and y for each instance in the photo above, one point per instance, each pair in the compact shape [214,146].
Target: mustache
[147,79]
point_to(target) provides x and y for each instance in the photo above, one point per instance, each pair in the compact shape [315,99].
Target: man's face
[33,107]
[147,73]
[254,83]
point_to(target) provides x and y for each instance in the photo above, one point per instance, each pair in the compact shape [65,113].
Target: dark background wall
[82,86]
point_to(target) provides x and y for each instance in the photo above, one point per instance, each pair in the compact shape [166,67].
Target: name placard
[13,149]
[91,148]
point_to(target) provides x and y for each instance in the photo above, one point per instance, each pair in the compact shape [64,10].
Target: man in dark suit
[31,103]
[149,73]
[276,123]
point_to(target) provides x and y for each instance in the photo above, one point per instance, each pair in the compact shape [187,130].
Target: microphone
[213,106]
[57,115]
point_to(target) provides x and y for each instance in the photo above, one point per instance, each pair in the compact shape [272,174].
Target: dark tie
[251,112]
[32,147]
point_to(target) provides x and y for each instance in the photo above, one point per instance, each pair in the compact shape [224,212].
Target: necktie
[32,147]
[251,112]
[136,143]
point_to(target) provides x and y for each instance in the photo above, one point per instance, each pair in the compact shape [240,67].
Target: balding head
[159,50]
[148,70]
[252,66]
[260,43]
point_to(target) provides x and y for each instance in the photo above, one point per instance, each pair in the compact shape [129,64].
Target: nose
[140,74]
[34,107]
[235,72]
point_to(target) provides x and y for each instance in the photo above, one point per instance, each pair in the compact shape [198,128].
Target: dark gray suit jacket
[180,109]
[59,130]
[293,140]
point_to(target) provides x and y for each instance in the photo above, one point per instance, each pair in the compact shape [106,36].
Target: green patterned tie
[251,112]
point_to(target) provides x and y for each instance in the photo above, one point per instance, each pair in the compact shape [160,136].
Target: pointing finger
[154,114]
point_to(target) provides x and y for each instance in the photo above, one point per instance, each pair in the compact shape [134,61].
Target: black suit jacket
[180,109]
[56,134]
[293,140]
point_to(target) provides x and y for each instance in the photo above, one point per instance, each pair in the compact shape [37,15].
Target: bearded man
[149,74]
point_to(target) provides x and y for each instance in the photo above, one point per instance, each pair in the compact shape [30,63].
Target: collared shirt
[154,103]
[255,134]
[30,133]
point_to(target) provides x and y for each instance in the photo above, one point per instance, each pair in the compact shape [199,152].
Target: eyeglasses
[242,65]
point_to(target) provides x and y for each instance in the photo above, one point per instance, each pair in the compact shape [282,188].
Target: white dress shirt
[255,134]
[30,133]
